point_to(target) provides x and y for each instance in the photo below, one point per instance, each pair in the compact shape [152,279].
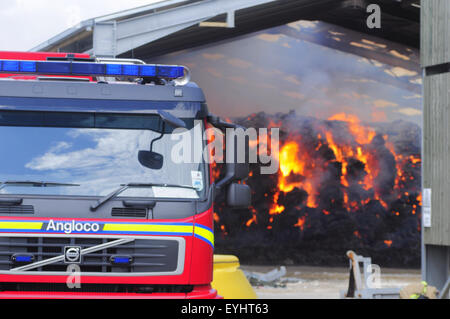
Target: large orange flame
[299,169]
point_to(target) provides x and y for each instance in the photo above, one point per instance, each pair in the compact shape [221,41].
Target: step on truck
[94,200]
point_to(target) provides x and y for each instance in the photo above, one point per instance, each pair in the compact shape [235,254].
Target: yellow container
[229,281]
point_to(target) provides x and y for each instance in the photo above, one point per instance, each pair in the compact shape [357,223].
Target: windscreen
[92,154]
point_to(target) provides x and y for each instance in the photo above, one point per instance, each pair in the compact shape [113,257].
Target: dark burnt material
[366,200]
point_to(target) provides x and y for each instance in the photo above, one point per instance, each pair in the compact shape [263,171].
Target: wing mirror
[152,159]
[235,169]
[239,196]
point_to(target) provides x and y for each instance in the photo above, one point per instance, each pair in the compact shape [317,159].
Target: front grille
[148,255]
[23,209]
[129,212]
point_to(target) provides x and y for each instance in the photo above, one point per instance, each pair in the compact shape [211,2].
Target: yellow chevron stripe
[207,234]
[20,225]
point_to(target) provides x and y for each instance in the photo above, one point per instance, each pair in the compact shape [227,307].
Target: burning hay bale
[342,185]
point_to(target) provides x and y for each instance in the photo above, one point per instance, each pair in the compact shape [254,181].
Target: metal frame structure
[121,32]
[112,38]
[174,25]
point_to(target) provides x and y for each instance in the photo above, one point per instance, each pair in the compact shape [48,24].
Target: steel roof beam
[112,38]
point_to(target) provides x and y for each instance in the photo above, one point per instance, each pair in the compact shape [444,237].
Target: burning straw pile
[342,185]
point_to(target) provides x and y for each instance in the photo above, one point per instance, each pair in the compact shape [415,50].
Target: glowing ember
[253,219]
[276,209]
[301,223]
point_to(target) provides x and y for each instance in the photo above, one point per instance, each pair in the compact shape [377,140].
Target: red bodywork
[198,271]
[198,263]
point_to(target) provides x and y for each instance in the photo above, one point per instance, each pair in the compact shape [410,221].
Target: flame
[293,163]
[254,219]
[289,163]
[362,134]
[382,202]
[222,228]
[415,159]
[298,170]
[388,243]
[301,223]
[276,209]
[419,199]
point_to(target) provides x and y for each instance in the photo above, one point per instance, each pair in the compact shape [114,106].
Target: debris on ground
[273,278]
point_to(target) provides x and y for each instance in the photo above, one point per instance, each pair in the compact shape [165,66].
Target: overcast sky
[27,23]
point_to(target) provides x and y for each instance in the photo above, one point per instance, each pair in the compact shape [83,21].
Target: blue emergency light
[22,258]
[73,68]
[121,260]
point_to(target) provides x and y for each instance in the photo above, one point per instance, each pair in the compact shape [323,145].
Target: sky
[25,24]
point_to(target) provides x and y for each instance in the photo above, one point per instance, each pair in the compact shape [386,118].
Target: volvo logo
[72,254]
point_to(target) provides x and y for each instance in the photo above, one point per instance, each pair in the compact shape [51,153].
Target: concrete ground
[325,283]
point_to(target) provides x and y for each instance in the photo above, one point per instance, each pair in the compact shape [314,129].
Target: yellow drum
[229,281]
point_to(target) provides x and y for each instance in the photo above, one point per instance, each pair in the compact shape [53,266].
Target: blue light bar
[11,66]
[148,70]
[27,66]
[131,70]
[73,68]
[88,68]
[114,69]
[172,72]
[59,68]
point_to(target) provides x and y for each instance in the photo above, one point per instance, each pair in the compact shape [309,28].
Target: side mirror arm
[220,124]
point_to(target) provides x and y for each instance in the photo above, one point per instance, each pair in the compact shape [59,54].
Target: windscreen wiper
[34,184]
[124,187]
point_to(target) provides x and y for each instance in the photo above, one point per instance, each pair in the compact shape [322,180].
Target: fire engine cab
[94,199]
